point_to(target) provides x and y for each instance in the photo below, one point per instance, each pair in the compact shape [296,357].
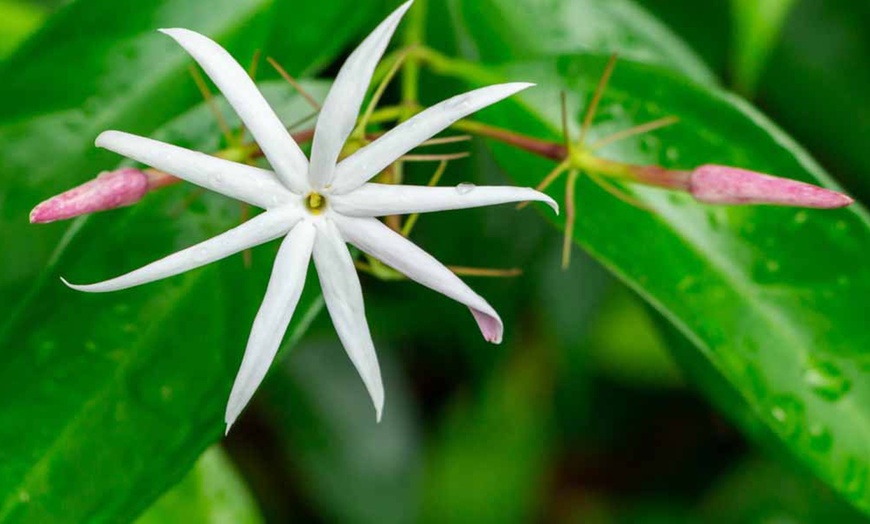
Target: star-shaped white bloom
[317,206]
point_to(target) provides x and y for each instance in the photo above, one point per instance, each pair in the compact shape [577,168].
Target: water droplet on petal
[465,188]
[826,379]
[201,254]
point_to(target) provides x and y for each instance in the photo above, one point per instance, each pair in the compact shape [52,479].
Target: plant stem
[414,36]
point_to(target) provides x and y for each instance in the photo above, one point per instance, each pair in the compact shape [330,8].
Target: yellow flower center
[315,202]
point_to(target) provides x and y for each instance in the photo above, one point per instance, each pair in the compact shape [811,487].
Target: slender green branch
[414,36]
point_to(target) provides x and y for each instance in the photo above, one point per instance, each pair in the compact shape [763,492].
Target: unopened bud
[110,190]
[714,184]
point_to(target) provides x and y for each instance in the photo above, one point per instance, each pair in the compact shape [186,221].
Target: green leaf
[96,65]
[771,297]
[825,44]
[212,492]
[118,394]
[759,490]
[308,35]
[625,345]
[491,453]
[757,25]
[100,65]
[17,20]
[353,468]
[705,26]
[497,31]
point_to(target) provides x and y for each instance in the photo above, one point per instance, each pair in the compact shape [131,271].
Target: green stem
[415,35]
[456,67]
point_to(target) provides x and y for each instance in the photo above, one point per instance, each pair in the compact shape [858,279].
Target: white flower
[317,206]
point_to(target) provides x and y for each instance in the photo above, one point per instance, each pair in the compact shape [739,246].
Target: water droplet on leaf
[820,438]
[788,415]
[826,379]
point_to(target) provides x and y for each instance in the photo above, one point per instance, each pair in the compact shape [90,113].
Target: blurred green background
[581,416]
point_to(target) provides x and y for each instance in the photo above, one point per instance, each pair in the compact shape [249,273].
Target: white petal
[358,168]
[260,229]
[375,200]
[344,300]
[282,296]
[342,105]
[280,149]
[373,237]
[249,184]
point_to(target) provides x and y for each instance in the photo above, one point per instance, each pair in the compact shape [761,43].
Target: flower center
[315,203]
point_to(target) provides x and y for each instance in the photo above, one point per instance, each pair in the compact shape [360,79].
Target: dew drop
[201,254]
[788,415]
[772,266]
[217,179]
[672,154]
[826,379]
[465,188]
[820,438]
[801,217]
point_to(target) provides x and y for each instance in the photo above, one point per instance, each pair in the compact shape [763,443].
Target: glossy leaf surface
[211,492]
[771,297]
[137,381]
[505,30]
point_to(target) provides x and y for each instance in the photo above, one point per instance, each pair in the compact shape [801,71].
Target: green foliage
[490,457]
[757,24]
[147,370]
[17,20]
[108,400]
[351,467]
[211,492]
[825,45]
[748,285]
[504,30]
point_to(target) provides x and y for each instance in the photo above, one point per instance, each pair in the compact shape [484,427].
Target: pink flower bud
[111,189]
[729,185]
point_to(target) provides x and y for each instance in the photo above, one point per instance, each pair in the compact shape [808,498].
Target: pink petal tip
[490,325]
[714,184]
[110,190]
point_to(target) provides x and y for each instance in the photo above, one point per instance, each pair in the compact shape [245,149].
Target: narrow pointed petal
[375,200]
[344,300]
[260,229]
[282,296]
[714,184]
[280,149]
[253,185]
[373,237]
[358,168]
[342,105]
